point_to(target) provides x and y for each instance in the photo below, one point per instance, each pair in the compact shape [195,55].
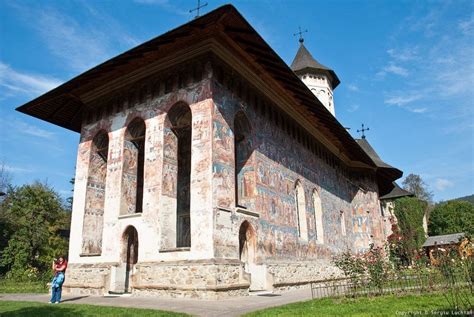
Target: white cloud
[352,87]
[404,55]
[402,100]
[435,53]
[80,43]
[16,169]
[68,40]
[418,110]
[15,82]
[26,128]
[467,26]
[395,69]
[442,184]
[353,108]
[157,2]
[165,4]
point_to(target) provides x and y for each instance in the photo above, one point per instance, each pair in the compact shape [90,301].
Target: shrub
[372,264]
[408,234]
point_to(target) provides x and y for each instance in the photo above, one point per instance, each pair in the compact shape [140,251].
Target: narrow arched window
[244,169]
[343,223]
[300,201]
[318,217]
[133,167]
[95,195]
[177,177]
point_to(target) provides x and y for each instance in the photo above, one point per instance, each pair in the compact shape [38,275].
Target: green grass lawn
[419,305]
[9,286]
[33,309]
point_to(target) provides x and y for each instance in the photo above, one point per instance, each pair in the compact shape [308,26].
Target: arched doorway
[247,254]
[129,254]
[247,244]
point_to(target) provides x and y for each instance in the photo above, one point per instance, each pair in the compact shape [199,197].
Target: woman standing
[59,269]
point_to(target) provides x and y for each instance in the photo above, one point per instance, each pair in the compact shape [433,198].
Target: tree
[5,179]
[452,217]
[408,234]
[415,184]
[70,199]
[33,215]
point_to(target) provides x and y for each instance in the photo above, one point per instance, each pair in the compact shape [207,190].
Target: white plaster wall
[321,88]
[78,208]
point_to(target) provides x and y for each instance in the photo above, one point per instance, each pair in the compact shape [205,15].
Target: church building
[207,167]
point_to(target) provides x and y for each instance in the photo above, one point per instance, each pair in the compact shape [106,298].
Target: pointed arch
[133,167]
[300,202]
[176,228]
[243,149]
[318,216]
[343,223]
[247,243]
[129,253]
[95,195]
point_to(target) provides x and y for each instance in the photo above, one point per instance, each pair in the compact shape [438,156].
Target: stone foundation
[209,279]
[87,279]
[204,279]
[293,275]
[204,293]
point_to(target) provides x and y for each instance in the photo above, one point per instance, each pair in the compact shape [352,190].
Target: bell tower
[320,79]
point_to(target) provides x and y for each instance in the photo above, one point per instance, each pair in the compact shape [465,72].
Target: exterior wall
[390,220]
[389,217]
[152,108]
[94,207]
[211,266]
[279,162]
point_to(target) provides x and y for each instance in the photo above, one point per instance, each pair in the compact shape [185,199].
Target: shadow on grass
[36,311]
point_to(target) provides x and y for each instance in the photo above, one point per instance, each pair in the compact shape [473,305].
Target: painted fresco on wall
[244,164]
[95,195]
[279,160]
[129,177]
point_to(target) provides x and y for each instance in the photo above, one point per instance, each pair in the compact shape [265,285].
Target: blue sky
[406,70]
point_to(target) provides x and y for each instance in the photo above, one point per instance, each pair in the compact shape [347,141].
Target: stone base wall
[292,275]
[87,279]
[208,279]
[205,279]
[242,290]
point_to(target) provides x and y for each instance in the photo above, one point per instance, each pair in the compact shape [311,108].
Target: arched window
[343,223]
[318,217]
[301,211]
[243,148]
[95,195]
[133,167]
[177,177]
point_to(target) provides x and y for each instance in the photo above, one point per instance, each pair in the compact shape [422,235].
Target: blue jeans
[56,294]
[56,287]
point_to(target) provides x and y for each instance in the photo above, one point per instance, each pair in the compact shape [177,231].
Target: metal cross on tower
[300,33]
[363,130]
[199,6]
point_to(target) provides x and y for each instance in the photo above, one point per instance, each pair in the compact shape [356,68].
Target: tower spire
[320,79]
